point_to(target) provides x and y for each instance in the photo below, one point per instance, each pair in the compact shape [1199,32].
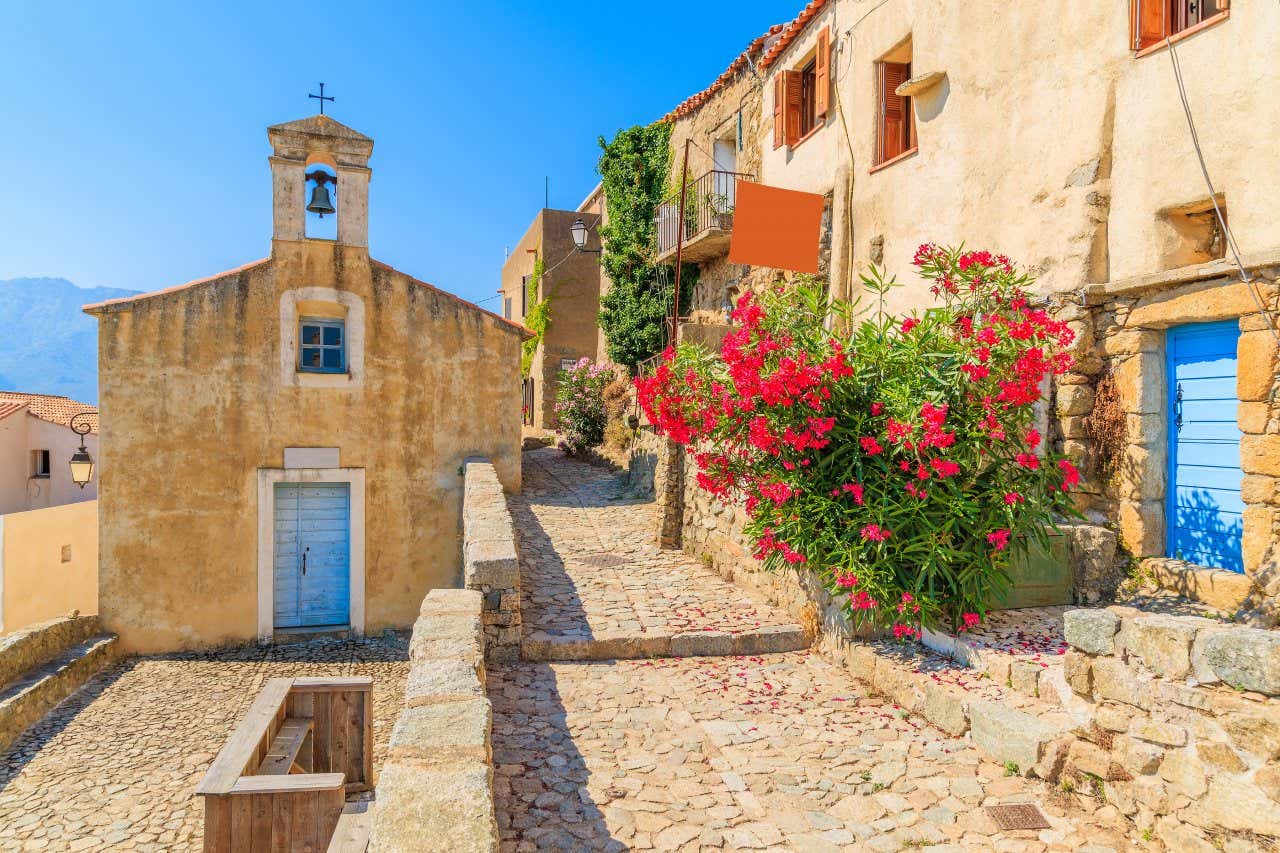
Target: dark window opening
[1156,20]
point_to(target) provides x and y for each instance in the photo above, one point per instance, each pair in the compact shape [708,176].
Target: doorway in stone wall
[1205,511]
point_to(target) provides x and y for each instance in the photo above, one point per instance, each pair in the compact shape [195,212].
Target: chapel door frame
[267,479]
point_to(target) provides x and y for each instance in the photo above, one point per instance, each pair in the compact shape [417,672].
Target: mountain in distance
[48,345]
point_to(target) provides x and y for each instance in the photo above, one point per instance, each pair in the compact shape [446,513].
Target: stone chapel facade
[283,443]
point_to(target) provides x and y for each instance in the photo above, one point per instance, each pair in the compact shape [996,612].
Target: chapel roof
[320,125]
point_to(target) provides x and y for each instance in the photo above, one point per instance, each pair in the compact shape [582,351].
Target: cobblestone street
[591,571]
[114,767]
[737,752]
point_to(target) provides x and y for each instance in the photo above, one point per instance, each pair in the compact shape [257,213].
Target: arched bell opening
[321,201]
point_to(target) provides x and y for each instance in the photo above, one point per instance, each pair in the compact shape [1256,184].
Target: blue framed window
[322,345]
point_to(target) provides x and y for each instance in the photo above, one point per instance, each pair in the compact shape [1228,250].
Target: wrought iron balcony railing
[708,218]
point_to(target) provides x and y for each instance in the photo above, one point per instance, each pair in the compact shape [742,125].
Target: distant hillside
[48,345]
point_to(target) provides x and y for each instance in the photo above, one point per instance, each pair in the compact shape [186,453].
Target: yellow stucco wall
[193,403]
[48,563]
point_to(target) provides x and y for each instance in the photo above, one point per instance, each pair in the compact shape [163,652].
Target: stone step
[540,646]
[25,701]
[35,645]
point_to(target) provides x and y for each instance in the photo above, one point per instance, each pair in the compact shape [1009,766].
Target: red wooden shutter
[822,73]
[894,128]
[1149,24]
[793,84]
[778,122]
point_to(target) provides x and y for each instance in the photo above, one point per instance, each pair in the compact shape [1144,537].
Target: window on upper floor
[1155,20]
[40,463]
[322,345]
[802,95]
[524,295]
[506,307]
[896,124]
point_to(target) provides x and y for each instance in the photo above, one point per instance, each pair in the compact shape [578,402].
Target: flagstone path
[779,751]
[115,766]
[595,586]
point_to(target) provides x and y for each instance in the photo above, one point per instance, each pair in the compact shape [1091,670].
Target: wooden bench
[281,780]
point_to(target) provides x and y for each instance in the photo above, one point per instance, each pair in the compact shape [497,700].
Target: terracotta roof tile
[10,407]
[792,30]
[693,102]
[53,408]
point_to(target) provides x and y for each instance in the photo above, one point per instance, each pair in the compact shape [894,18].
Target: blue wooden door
[1205,511]
[312,554]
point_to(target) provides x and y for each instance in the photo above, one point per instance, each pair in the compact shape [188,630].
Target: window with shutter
[1155,20]
[793,105]
[779,123]
[822,74]
[897,133]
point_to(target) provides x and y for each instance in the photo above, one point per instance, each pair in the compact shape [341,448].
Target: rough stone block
[1142,526]
[440,601]
[945,710]
[1140,382]
[1258,489]
[458,730]
[1184,773]
[1074,400]
[1260,454]
[1008,735]
[450,808]
[1092,759]
[1113,718]
[1078,669]
[492,563]
[425,647]
[1024,677]
[1221,756]
[1255,733]
[1255,366]
[442,680]
[1092,631]
[1268,781]
[1164,642]
[1165,734]
[1247,658]
[1252,418]
[1232,806]
[1215,587]
[1137,757]
[1199,302]
[1119,683]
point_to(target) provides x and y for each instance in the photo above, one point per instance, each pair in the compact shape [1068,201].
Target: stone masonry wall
[1183,731]
[435,790]
[490,563]
[1120,331]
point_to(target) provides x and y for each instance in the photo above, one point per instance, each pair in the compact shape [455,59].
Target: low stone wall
[490,562]
[435,789]
[1184,726]
[36,645]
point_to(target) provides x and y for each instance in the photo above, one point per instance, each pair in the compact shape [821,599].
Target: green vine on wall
[536,319]
[634,166]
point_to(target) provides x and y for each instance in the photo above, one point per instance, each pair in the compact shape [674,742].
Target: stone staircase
[43,664]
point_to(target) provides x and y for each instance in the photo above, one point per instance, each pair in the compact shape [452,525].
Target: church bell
[321,202]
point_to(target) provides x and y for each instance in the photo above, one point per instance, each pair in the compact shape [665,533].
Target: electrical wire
[1213,196]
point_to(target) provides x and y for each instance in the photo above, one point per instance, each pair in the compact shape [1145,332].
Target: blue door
[312,554]
[1205,513]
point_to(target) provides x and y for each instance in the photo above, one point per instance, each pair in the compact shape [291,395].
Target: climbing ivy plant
[536,319]
[634,167]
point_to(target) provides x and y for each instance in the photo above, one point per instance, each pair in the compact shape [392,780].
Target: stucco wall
[48,564]
[23,432]
[193,404]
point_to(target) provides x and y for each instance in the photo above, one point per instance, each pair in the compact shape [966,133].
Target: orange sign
[773,227]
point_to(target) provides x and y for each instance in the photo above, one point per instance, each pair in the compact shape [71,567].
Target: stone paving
[114,767]
[595,585]
[776,752]
[781,751]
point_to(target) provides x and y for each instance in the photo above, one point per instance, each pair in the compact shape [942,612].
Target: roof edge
[511,325]
[123,303]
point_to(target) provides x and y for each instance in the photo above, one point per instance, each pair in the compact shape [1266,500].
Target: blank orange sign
[773,227]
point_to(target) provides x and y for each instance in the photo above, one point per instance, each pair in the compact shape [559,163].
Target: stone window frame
[351,308]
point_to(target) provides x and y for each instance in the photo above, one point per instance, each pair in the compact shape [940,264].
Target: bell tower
[320,165]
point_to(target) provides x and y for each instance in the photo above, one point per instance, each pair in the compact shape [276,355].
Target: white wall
[19,491]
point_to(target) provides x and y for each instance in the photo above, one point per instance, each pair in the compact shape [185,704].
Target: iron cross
[321,98]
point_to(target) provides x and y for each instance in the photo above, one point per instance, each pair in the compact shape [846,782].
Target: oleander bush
[896,460]
[580,408]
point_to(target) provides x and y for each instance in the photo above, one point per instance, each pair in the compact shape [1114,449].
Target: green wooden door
[1041,577]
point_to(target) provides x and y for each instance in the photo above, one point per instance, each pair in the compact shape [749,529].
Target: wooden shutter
[822,74]
[778,121]
[793,86]
[1149,22]
[895,121]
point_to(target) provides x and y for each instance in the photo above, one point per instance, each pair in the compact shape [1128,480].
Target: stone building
[547,267]
[283,442]
[1084,171]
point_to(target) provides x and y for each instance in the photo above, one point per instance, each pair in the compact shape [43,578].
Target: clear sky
[133,135]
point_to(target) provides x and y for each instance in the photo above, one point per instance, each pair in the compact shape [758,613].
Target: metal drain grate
[603,561]
[1018,816]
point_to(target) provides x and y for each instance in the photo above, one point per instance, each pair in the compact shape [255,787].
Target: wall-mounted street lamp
[81,461]
[579,232]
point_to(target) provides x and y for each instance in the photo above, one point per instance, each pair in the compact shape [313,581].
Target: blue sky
[133,134]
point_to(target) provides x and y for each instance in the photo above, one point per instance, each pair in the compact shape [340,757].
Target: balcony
[708,219]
